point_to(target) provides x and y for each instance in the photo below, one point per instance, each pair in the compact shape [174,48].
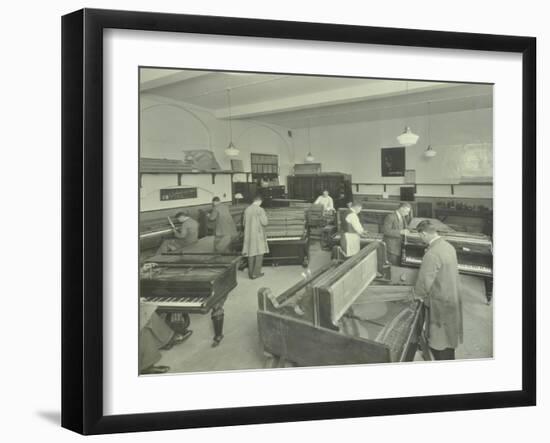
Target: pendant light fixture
[407,138]
[429,152]
[231,150]
[309,156]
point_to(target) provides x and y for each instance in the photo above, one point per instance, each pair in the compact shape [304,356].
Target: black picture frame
[392,161]
[82,216]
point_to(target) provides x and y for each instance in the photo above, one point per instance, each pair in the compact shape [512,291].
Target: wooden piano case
[339,315]
[474,253]
[208,276]
[288,252]
[287,237]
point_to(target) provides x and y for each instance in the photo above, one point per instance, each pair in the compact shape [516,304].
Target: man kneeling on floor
[155,335]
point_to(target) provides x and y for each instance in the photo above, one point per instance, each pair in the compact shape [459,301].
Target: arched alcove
[169,129]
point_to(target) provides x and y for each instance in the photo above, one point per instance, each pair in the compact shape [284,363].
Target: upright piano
[340,315]
[183,283]
[287,237]
[153,232]
[474,254]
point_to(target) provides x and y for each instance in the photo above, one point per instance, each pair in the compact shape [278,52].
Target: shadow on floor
[54,417]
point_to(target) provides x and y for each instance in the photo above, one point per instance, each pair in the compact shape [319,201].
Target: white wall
[355,147]
[168,127]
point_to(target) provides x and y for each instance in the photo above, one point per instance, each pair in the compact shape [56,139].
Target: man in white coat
[326,200]
[352,231]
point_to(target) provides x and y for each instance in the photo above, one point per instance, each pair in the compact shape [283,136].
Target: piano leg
[275,361]
[217,321]
[489,289]
[270,360]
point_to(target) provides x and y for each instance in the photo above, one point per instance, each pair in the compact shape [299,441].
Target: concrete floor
[241,348]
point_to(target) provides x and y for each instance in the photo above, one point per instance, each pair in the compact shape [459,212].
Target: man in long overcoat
[438,286]
[255,239]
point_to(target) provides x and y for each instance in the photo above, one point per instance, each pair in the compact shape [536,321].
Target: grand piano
[190,282]
[340,315]
[474,251]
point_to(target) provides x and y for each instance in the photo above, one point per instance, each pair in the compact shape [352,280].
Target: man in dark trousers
[395,225]
[255,239]
[224,226]
[438,287]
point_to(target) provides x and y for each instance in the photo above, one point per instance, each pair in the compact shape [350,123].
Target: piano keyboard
[461,266]
[282,238]
[154,233]
[170,302]
[475,268]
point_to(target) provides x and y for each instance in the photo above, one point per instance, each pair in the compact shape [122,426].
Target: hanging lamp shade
[430,152]
[309,157]
[408,138]
[231,150]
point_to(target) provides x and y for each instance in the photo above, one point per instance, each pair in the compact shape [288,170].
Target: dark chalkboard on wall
[393,162]
[167,194]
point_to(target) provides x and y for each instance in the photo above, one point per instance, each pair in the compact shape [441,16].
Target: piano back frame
[336,291]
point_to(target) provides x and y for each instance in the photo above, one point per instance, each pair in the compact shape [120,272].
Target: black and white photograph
[298,221]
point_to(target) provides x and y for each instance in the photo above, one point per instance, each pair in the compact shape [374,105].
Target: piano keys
[474,253]
[463,268]
[153,232]
[340,314]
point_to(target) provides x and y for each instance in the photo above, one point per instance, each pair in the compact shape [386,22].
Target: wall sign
[177,193]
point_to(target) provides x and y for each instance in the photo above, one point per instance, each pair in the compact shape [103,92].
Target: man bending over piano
[224,226]
[437,286]
[395,225]
[326,201]
[255,239]
[187,233]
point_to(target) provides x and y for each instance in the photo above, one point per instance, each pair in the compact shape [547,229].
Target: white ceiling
[295,101]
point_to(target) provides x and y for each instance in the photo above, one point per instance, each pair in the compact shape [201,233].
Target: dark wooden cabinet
[310,186]
[251,189]
[248,190]
[270,192]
